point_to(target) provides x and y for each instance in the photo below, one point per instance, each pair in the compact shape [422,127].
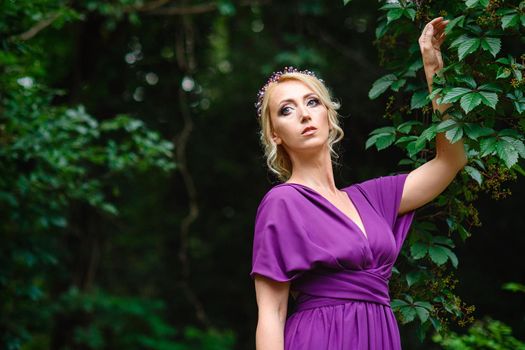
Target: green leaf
[381,29]
[455,134]
[371,141]
[459,40]
[517,144]
[509,21]
[455,94]
[503,72]
[415,146]
[394,14]
[445,125]
[493,45]
[514,287]
[406,139]
[470,101]
[345,2]
[487,146]
[414,277]
[464,234]
[467,79]
[398,303]
[384,140]
[438,254]
[391,5]
[384,129]
[507,153]
[396,85]
[473,3]
[474,173]
[419,99]
[409,313]
[489,98]
[443,240]
[456,21]
[468,46]
[452,256]
[435,323]
[422,313]
[410,13]
[418,250]
[429,133]
[490,87]
[405,127]
[380,85]
[474,131]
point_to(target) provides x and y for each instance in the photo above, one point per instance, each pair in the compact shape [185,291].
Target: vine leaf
[468,46]
[491,44]
[380,85]
[470,101]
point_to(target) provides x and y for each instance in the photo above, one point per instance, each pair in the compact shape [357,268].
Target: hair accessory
[275,77]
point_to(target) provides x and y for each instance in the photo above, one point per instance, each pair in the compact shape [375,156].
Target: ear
[276,138]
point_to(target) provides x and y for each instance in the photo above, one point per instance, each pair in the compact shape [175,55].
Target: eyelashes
[282,111]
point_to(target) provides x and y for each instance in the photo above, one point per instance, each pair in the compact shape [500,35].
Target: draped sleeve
[385,195]
[282,250]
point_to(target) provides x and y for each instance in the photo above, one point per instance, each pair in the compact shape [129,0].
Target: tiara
[275,77]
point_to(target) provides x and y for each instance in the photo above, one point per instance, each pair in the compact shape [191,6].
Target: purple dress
[341,277]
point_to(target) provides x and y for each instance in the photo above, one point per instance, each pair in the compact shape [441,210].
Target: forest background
[131,167]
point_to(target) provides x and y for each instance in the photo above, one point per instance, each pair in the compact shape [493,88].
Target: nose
[305,113]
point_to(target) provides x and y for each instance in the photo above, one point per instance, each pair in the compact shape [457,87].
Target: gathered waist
[321,288]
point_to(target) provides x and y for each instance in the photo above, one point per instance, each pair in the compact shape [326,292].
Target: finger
[426,37]
[438,30]
[441,39]
[436,20]
[441,25]
[429,31]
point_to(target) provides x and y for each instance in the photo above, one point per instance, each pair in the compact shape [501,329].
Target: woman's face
[293,107]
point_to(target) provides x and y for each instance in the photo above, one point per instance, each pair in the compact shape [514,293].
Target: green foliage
[486,334]
[514,287]
[483,81]
[104,321]
[55,159]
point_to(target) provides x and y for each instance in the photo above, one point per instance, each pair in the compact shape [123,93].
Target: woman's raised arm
[430,179]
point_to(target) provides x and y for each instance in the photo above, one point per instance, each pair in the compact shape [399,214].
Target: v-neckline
[362,233]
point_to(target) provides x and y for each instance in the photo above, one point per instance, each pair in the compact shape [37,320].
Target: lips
[308,128]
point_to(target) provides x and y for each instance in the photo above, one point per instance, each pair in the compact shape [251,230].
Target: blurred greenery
[131,169]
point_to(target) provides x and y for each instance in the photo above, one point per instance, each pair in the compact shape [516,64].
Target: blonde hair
[277,159]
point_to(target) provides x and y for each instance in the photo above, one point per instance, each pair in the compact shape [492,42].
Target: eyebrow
[291,99]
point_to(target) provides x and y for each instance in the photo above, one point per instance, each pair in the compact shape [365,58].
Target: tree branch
[34,30]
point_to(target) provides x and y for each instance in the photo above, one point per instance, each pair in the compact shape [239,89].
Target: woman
[332,249]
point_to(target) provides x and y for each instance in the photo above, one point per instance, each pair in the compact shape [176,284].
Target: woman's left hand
[430,42]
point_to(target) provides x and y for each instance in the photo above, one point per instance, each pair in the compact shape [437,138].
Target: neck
[313,169]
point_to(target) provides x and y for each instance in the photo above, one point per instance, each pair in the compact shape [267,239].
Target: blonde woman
[333,249]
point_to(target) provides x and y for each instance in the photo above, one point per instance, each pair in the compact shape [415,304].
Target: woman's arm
[430,179]
[430,43]
[272,303]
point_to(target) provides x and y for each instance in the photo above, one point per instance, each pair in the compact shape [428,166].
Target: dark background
[117,66]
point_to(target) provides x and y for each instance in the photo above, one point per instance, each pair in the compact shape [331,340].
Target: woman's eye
[283,110]
[314,99]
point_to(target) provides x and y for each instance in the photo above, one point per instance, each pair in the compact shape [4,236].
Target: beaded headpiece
[275,77]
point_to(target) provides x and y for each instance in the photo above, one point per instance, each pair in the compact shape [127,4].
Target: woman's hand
[430,42]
